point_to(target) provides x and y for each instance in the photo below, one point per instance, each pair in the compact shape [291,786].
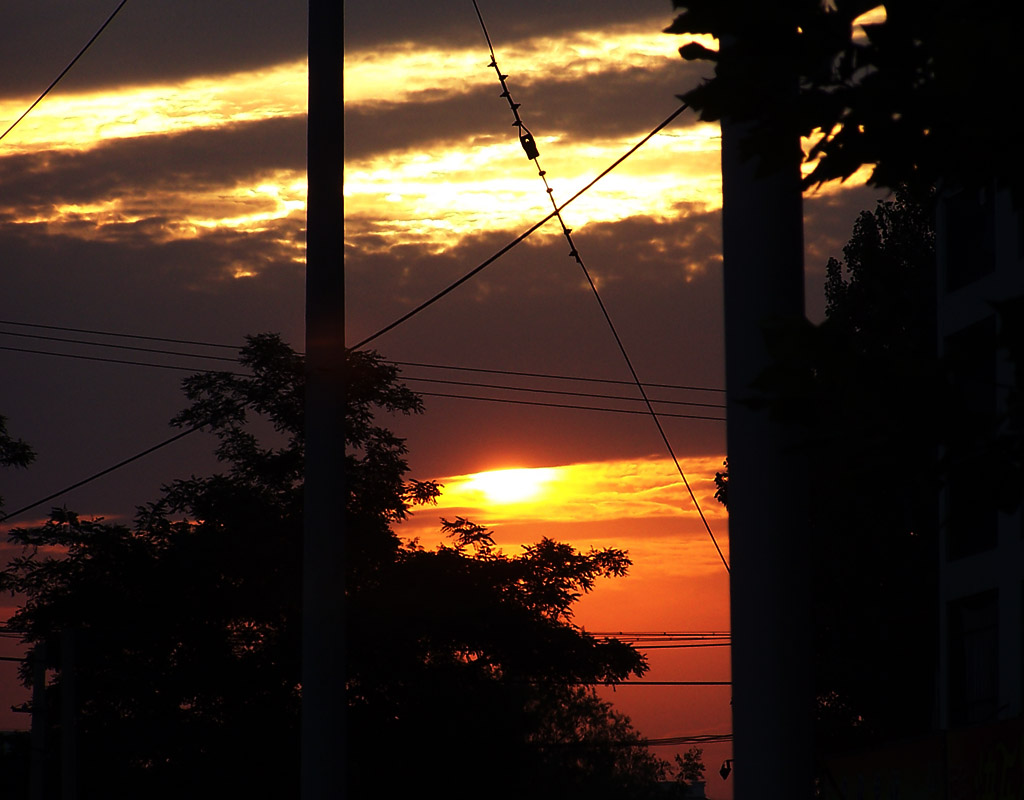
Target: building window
[974,658]
[970,234]
[971,519]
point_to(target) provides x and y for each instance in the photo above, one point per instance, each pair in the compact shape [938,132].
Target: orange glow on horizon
[601,490]
[639,505]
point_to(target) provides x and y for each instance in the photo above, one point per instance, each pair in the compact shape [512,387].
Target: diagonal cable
[66,69]
[101,473]
[451,287]
[532,153]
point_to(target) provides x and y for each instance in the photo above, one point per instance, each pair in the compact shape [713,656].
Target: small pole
[69,715]
[37,782]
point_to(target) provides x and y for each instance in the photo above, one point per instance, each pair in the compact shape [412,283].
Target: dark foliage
[922,94]
[13,452]
[866,390]
[466,673]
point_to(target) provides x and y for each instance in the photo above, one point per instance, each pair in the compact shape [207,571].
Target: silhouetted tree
[13,452]
[690,766]
[919,96]
[466,674]
[865,388]
[875,412]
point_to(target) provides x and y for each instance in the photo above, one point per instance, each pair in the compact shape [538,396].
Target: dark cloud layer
[161,41]
[449,22]
[188,161]
[614,103]
[532,311]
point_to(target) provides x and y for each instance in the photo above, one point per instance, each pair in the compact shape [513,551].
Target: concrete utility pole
[69,715]
[762,239]
[323,634]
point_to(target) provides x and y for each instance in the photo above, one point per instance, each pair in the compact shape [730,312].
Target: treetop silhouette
[465,668]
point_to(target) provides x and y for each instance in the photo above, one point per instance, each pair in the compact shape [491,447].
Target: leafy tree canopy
[690,766]
[863,389]
[922,94]
[13,452]
[466,672]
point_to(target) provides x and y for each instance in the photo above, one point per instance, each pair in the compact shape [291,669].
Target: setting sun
[511,485]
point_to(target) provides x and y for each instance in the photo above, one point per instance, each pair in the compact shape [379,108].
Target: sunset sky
[159,191]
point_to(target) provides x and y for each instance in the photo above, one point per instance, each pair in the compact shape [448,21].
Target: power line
[421,365]
[101,473]
[114,360]
[673,683]
[134,348]
[566,405]
[471,384]
[119,335]
[447,395]
[557,377]
[660,639]
[64,72]
[532,153]
[664,634]
[537,390]
[702,738]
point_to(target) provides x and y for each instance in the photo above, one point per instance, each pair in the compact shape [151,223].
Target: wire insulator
[530,146]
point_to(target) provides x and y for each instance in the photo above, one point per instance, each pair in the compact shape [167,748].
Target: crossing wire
[522,237]
[529,146]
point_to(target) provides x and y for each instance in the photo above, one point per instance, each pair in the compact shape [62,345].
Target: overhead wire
[661,635]
[66,69]
[406,378]
[101,473]
[448,395]
[529,145]
[702,738]
[66,340]
[511,401]
[556,377]
[422,393]
[564,392]
[673,683]
[417,364]
[668,641]
[116,335]
[101,359]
